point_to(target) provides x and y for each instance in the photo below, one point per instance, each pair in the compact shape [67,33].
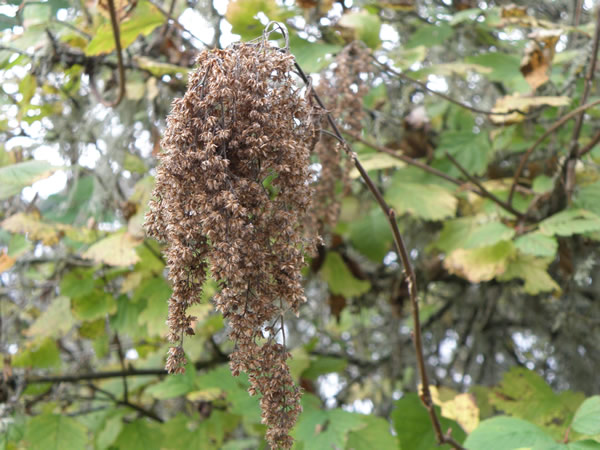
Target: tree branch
[117,373]
[424,86]
[484,191]
[121,67]
[569,176]
[481,190]
[408,268]
[559,123]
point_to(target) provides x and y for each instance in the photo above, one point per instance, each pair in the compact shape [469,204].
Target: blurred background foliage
[507,272]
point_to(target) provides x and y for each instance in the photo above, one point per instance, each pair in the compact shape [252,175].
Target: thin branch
[481,190]
[76,378]
[574,149]
[176,23]
[121,66]
[484,191]
[559,123]
[424,86]
[404,257]
[408,160]
[143,411]
[589,147]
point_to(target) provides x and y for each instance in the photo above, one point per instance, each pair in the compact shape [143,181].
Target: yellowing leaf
[36,230]
[376,160]
[460,407]
[426,201]
[117,249]
[533,271]
[55,321]
[158,68]
[480,264]
[518,103]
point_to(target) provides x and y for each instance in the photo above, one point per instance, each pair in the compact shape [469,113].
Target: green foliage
[587,417]
[55,432]
[412,424]
[84,291]
[339,278]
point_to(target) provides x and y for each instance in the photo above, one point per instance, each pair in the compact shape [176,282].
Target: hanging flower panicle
[342,88]
[231,192]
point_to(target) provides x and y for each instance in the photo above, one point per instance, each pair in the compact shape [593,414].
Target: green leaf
[235,391]
[542,183]
[78,283]
[472,151]
[241,14]
[504,66]
[371,235]
[55,432]
[156,292]
[174,385]
[321,365]
[508,433]
[93,306]
[298,363]
[56,321]
[323,430]
[570,222]
[587,417]
[143,21]
[430,35]
[533,271]
[588,197]
[375,435]
[126,318]
[472,232]
[524,394]
[366,26]
[341,281]
[413,425]
[17,176]
[537,244]
[425,201]
[140,434]
[312,56]
[41,354]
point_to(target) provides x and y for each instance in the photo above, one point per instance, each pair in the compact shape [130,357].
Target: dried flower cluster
[343,89]
[231,191]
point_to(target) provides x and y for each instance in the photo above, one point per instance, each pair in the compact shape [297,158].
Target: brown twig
[176,23]
[121,66]
[424,86]
[569,177]
[559,123]
[479,190]
[143,411]
[404,257]
[484,192]
[588,148]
